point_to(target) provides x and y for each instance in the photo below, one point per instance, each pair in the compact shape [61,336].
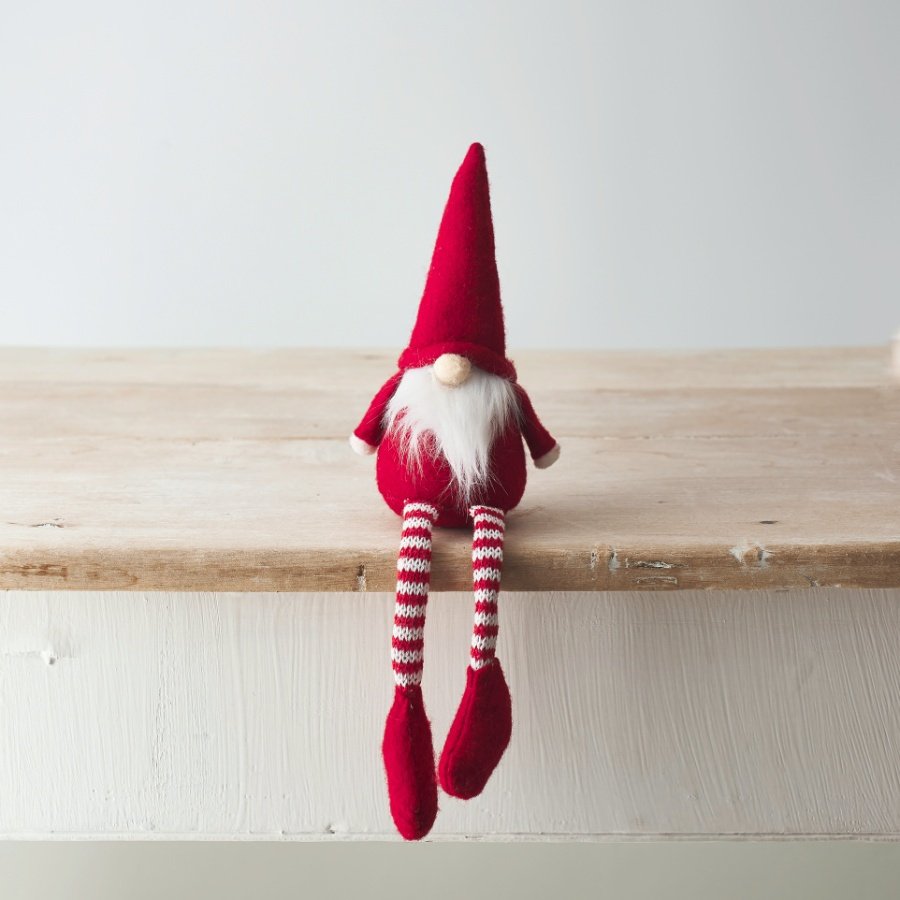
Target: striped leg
[487,566]
[413,576]
[407,747]
[482,726]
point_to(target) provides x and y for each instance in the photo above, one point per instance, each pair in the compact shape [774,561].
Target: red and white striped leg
[407,747]
[487,567]
[482,726]
[413,577]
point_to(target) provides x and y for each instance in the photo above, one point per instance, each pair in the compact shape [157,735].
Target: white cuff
[363,448]
[547,460]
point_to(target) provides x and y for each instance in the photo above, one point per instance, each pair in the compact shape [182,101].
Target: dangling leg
[407,747]
[481,729]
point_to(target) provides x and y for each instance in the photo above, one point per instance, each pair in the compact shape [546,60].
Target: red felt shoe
[479,734]
[409,764]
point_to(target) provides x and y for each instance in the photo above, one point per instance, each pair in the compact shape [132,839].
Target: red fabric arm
[539,440]
[371,428]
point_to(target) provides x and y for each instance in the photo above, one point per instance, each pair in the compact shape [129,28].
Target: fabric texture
[482,726]
[487,567]
[460,310]
[409,764]
[413,577]
[371,426]
[407,747]
[433,482]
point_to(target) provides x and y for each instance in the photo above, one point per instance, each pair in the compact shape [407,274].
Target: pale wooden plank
[303,367]
[637,714]
[229,470]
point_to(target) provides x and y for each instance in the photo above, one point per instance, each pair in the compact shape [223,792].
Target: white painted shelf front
[636,714]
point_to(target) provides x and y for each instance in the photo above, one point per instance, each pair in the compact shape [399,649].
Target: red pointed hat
[460,310]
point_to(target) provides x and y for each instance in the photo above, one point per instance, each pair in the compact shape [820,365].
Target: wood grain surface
[229,470]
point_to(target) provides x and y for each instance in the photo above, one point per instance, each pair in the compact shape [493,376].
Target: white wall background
[664,173]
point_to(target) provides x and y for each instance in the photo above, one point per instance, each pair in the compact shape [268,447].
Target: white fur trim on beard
[461,423]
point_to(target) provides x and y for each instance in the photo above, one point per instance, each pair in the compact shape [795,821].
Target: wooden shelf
[707,713]
[229,470]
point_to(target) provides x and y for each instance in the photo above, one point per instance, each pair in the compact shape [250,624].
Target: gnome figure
[449,428]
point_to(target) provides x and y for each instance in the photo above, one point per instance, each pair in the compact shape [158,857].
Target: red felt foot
[479,734]
[409,764]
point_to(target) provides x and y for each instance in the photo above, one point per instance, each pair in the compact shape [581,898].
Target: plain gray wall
[664,173]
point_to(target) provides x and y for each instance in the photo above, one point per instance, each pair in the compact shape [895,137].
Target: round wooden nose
[451,369]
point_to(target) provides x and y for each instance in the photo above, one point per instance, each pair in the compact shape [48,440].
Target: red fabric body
[479,734]
[399,483]
[460,310]
[539,440]
[371,426]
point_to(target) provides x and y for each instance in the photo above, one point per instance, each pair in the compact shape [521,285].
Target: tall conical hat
[460,310]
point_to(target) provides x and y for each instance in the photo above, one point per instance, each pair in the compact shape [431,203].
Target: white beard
[460,423]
